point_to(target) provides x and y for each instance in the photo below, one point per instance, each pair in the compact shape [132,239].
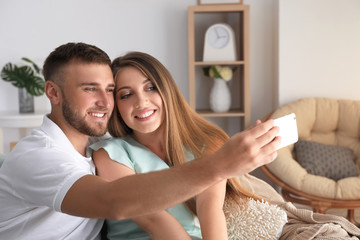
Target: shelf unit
[25,122]
[200,17]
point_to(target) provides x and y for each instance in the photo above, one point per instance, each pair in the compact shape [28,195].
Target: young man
[48,187]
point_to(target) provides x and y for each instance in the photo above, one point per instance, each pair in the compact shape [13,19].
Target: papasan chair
[321,170]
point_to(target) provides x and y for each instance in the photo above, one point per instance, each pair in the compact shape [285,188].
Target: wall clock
[219,43]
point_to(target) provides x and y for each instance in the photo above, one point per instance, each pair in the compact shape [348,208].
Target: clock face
[218,37]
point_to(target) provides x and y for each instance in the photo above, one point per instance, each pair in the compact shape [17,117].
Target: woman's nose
[142,101]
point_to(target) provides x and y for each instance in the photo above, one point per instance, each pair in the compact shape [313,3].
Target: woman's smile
[145,115]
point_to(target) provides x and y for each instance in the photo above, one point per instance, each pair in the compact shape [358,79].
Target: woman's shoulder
[109,143]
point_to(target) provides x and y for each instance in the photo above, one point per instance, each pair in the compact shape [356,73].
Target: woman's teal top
[129,152]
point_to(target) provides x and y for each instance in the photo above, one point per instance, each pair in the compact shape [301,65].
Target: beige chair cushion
[327,121]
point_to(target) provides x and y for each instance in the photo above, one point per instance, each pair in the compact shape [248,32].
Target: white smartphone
[288,129]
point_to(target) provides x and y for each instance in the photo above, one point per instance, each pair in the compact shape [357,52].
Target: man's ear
[53,92]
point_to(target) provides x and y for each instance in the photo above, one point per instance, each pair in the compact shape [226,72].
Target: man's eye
[110,90]
[90,89]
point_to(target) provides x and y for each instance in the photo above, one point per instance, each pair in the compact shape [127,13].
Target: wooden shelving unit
[200,17]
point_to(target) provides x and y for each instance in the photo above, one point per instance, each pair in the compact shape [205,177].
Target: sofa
[2,158]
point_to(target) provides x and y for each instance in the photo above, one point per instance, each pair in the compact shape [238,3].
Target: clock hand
[217,34]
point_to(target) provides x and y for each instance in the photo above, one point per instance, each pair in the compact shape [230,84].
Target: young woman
[154,128]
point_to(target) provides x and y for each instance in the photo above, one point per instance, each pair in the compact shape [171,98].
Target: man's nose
[105,99]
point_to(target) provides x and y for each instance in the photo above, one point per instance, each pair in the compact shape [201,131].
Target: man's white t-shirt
[34,179]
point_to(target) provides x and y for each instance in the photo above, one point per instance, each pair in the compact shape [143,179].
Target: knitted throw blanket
[302,224]
[253,219]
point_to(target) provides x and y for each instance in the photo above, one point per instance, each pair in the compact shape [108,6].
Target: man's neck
[76,138]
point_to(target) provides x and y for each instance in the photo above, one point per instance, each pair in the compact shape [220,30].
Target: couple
[51,187]
[48,183]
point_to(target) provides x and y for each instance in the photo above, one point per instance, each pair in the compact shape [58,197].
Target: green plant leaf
[35,66]
[27,77]
[216,73]
[206,71]
[35,86]
[14,75]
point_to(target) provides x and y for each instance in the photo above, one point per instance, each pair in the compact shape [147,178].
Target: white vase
[220,96]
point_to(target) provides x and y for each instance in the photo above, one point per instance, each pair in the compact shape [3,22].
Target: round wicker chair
[326,121]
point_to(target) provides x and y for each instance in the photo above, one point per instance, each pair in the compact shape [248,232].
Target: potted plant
[28,78]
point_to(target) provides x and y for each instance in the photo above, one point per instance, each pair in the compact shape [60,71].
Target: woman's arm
[160,225]
[209,206]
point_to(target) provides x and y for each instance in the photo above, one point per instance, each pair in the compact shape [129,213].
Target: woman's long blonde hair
[184,128]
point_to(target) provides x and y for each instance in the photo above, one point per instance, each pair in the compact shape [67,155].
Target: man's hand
[248,150]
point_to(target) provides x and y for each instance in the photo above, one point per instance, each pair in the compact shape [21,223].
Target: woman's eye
[124,96]
[152,88]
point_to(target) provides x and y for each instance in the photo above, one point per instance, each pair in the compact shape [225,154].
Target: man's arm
[131,196]
[159,225]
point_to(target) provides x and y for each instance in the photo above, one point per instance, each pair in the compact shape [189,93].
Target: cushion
[335,162]
[253,219]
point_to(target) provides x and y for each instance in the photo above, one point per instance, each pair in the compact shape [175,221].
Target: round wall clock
[219,43]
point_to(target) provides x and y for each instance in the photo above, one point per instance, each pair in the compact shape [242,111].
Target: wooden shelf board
[210,113]
[201,63]
[218,8]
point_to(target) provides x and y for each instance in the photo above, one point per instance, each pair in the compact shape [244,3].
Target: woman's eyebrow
[121,88]
[127,87]
[146,80]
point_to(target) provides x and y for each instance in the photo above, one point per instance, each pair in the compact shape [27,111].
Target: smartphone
[288,129]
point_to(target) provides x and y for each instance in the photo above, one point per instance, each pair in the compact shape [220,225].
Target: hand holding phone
[288,129]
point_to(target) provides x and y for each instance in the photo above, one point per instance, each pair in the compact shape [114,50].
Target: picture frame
[203,2]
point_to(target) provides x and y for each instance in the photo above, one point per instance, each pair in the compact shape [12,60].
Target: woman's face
[138,101]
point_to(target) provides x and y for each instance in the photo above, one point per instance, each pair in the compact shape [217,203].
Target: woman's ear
[53,92]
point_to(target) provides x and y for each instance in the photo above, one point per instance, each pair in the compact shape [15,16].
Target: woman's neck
[154,141]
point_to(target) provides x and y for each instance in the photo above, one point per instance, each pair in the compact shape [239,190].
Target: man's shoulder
[93,140]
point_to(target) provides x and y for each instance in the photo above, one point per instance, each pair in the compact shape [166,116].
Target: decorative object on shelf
[200,2]
[237,16]
[28,79]
[220,96]
[219,43]
[26,101]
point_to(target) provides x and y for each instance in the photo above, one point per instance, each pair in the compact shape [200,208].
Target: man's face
[88,97]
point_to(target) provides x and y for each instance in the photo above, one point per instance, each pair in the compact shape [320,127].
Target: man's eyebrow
[89,84]
[95,84]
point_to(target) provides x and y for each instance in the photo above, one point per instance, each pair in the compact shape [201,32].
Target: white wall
[308,48]
[319,49]
[33,28]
